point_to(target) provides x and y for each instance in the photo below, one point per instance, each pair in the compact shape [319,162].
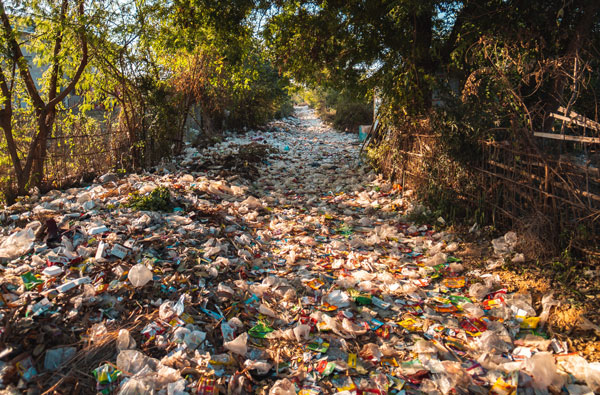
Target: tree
[404,46]
[68,21]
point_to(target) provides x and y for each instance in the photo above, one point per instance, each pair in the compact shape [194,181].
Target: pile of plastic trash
[308,280]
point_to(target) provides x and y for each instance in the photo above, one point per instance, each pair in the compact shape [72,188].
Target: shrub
[157,200]
[350,115]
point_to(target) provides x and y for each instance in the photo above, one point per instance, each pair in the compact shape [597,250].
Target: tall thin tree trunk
[423,33]
[6,125]
[40,152]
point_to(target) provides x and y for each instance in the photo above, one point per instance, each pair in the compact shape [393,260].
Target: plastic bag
[238,345]
[547,303]
[132,361]
[134,386]
[301,332]
[352,329]
[57,356]
[283,387]
[125,341]
[543,370]
[592,376]
[478,291]
[19,242]
[177,388]
[491,342]
[139,275]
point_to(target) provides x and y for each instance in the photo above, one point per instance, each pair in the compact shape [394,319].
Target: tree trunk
[33,171]
[45,124]
[181,132]
[6,125]
[424,67]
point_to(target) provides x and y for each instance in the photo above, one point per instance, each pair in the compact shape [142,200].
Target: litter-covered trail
[274,262]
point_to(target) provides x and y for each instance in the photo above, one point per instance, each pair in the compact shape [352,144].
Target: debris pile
[303,276]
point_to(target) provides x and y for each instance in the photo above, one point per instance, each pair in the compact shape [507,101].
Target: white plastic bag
[238,345]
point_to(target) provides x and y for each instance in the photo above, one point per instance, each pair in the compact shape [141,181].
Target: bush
[350,115]
[157,200]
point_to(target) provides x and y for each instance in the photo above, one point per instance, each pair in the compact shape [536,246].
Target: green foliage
[151,64]
[262,96]
[349,115]
[345,109]
[157,200]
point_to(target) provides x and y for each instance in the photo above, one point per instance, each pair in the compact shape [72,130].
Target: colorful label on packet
[323,327]
[309,390]
[207,386]
[322,348]
[325,368]
[106,376]
[506,385]
[260,330]
[352,361]
[383,332]
[343,383]
[212,314]
[421,282]
[413,308]
[493,303]
[475,369]
[327,307]
[375,324]
[363,300]
[315,283]
[308,300]
[530,322]
[454,282]
[152,330]
[176,322]
[446,308]
[473,327]
[397,383]
[410,325]
[380,303]
[185,317]
[100,288]
[389,362]
[456,345]
[440,300]
[222,360]
[458,299]
[497,294]
[26,368]
[30,280]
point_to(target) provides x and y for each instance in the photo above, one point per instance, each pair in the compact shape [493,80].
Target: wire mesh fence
[75,153]
[514,186]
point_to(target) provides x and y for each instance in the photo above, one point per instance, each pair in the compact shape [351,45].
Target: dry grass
[537,236]
[565,318]
[525,282]
[75,377]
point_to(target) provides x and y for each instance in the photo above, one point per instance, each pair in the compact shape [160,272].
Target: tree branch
[57,48]
[80,69]
[6,121]
[19,60]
